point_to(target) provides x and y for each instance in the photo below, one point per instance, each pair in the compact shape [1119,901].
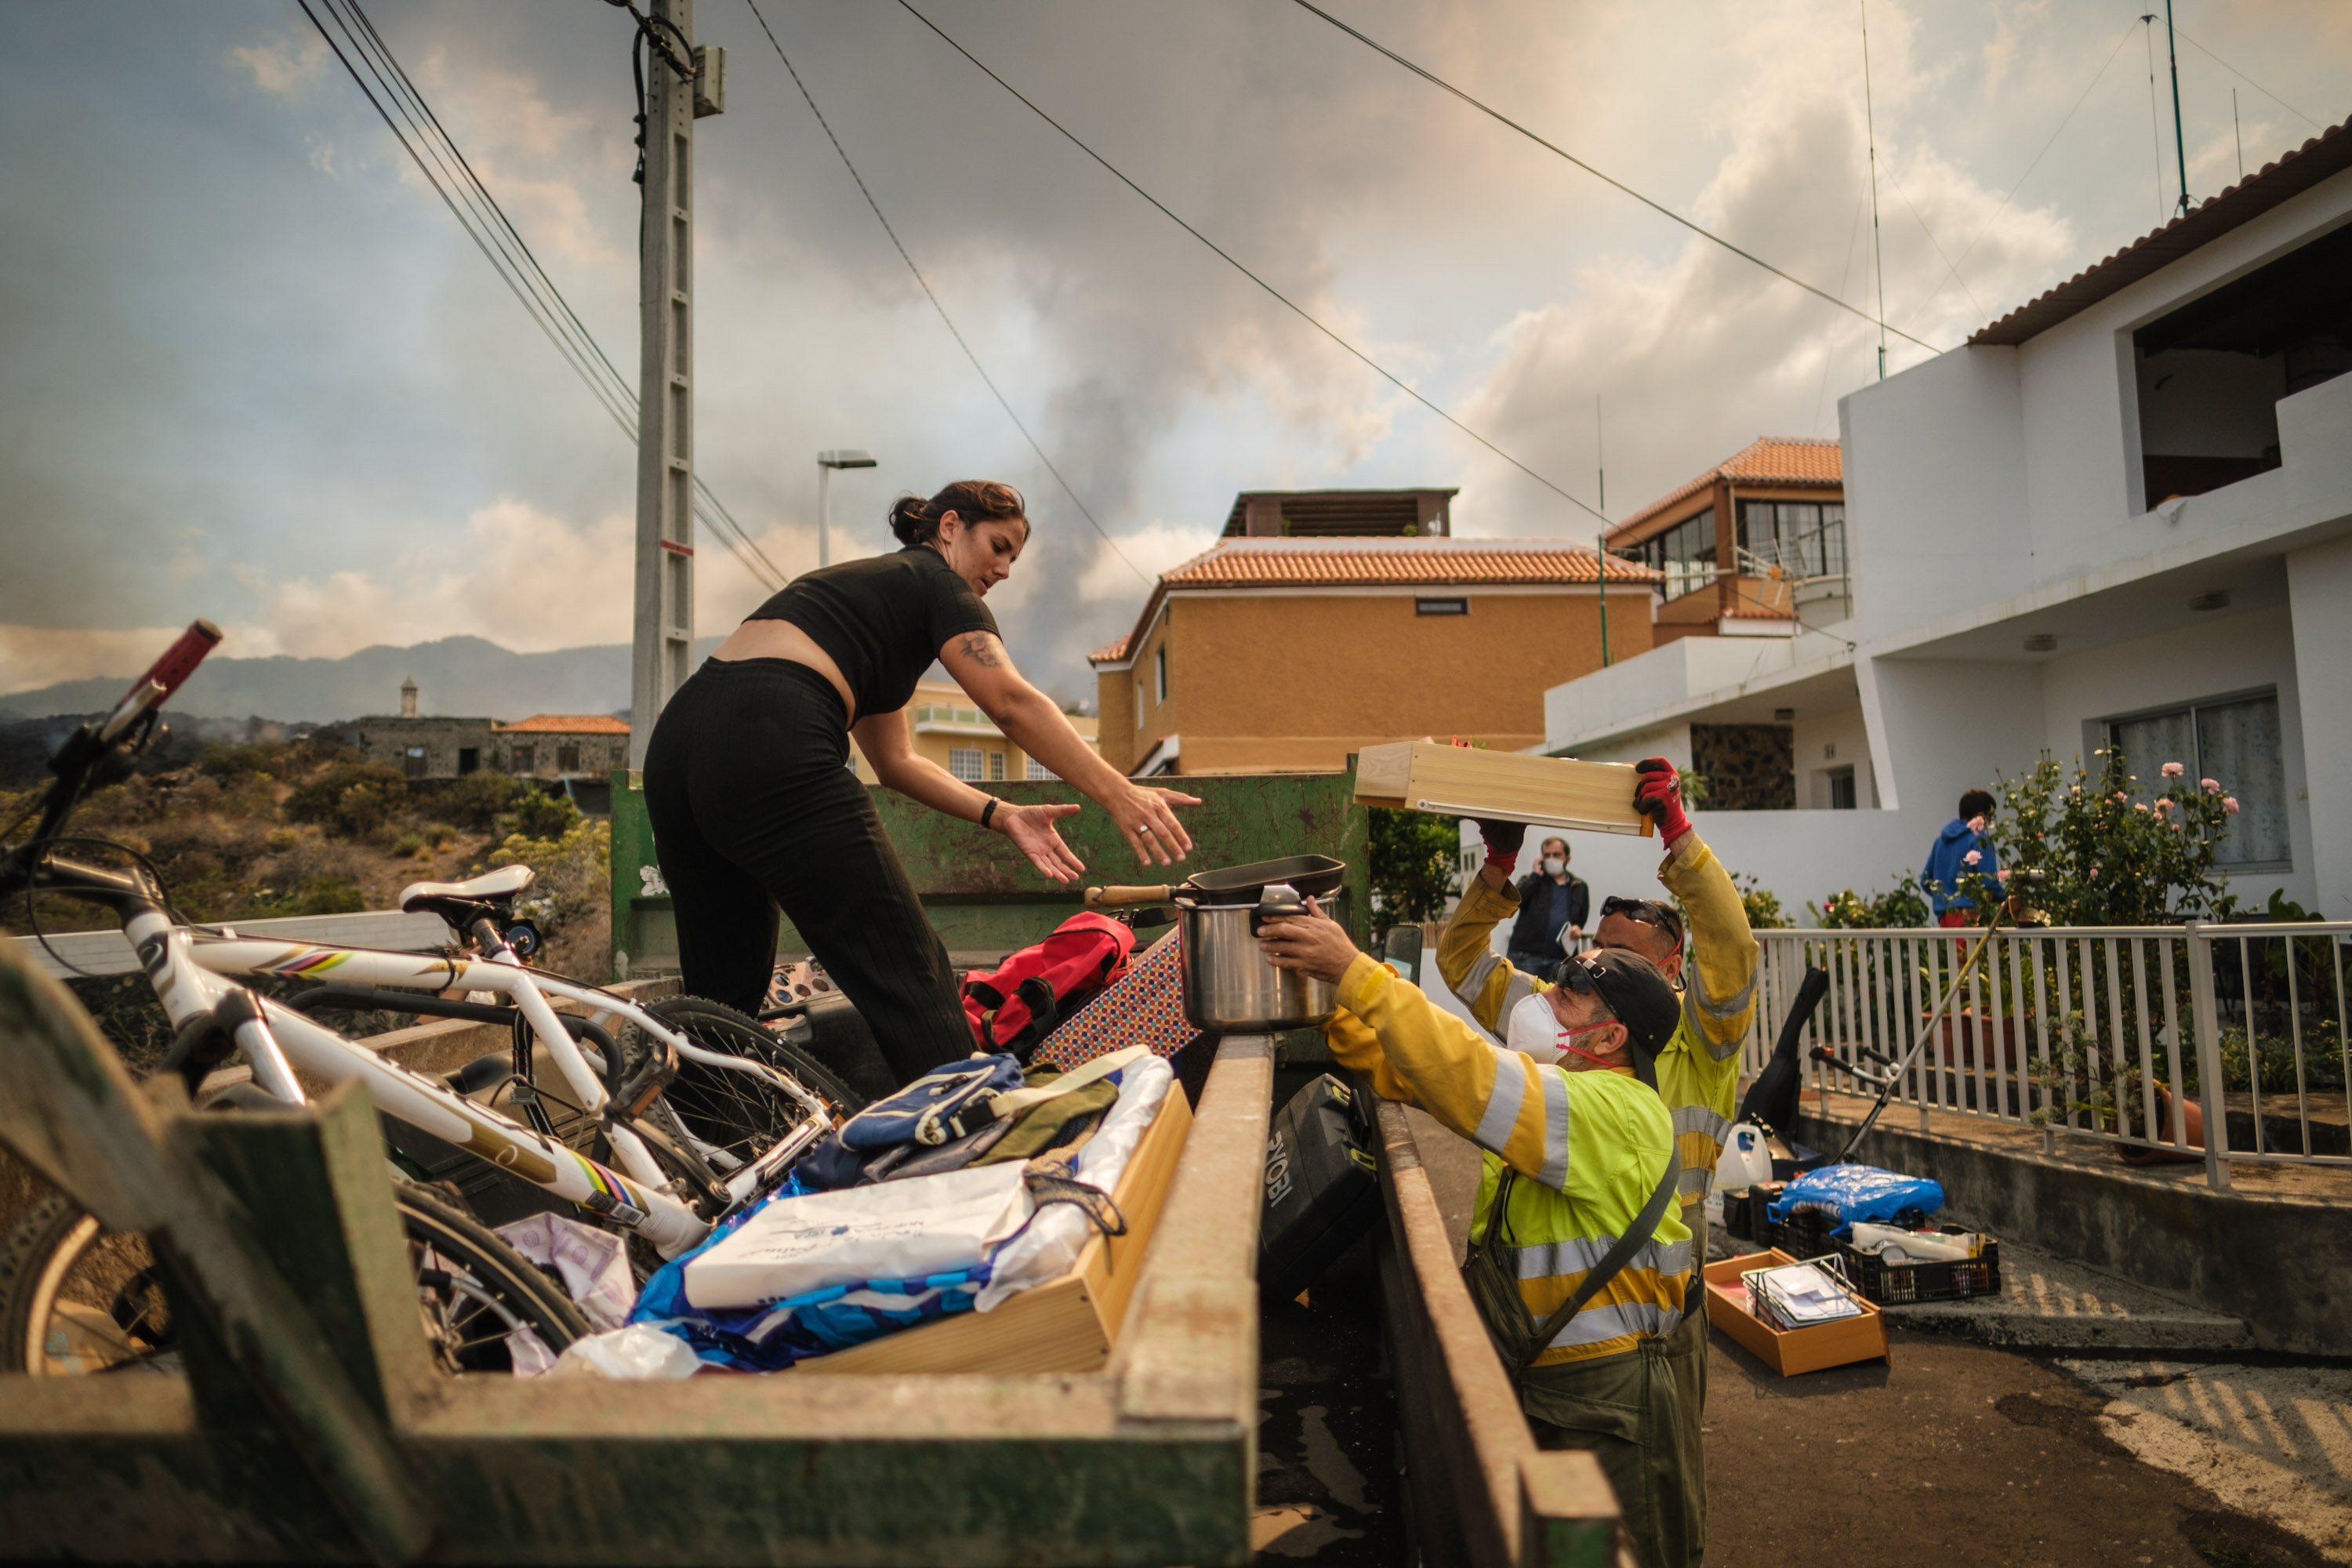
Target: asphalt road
[1948,1453]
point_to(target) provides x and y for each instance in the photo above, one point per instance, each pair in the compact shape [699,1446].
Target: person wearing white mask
[1579,1260]
[1554,905]
[1711,963]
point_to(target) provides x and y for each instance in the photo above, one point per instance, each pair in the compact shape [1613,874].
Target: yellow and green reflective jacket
[1699,1069]
[1593,1145]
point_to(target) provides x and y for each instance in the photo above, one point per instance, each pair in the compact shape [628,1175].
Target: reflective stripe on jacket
[1593,1144]
[1699,1069]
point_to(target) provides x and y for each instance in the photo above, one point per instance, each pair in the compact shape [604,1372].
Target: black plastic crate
[1895,1284]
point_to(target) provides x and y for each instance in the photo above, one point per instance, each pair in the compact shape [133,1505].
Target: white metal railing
[2126,1033]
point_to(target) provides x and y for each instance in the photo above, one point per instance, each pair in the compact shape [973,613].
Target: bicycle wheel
[733,1117]
[76,1297]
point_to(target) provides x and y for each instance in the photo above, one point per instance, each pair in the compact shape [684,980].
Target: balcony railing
[2110,1033]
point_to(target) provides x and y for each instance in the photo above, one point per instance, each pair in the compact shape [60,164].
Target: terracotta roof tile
[2325,154]
[1375,562]
[567,724]
[1396,563]
[1767,460]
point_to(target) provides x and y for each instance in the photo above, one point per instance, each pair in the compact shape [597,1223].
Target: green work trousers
[1627,1411]
[1686,1359]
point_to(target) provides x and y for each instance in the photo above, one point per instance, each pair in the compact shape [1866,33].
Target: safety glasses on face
[1648,912]
[1573,974]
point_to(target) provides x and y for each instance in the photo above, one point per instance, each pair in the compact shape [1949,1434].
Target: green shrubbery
[354,796]
[1413,861]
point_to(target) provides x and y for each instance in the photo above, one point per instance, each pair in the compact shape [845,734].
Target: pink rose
[2176,828]
[2230,803]
[2075,790]
[1973,857]
[2210,786]
[2094,870]
[2121,797]
[2164,808]
[2173,770]
[2140,806]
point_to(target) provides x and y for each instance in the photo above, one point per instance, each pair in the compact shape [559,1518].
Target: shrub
[322,798]
[539,814]
[573,870]
[2106,857]
[410,847]
[1763,904]
[315,895]
[1412,856]
[477,800]
[361,809]
[1903,905]
[262,759]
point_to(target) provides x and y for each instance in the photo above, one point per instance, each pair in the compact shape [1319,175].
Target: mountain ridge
[455,675]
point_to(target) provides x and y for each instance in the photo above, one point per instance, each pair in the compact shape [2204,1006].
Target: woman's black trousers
[754,808]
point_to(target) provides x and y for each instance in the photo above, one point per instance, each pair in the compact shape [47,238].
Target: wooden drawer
[1064,1325]
[1463,780]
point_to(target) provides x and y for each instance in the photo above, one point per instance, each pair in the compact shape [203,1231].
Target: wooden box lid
[1463,780]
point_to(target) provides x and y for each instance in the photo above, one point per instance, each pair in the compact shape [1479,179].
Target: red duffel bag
[1019,1002]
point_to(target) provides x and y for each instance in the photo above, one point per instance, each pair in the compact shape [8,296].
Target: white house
[2123,512]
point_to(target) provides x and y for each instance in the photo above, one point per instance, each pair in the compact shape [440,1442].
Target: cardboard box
[1064,1325]
[1463,780]
[1804,1350]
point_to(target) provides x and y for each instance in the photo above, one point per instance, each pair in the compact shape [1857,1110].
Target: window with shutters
[996,766]
[526,759]
[567,759]
[1038,770]
[965,762]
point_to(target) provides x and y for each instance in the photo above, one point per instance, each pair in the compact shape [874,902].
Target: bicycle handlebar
[163,678]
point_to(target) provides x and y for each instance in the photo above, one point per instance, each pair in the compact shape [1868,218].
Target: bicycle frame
[187,968]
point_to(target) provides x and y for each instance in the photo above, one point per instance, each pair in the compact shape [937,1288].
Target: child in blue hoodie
[1960,848]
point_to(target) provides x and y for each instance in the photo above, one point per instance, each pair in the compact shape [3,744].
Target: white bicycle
[678,1135]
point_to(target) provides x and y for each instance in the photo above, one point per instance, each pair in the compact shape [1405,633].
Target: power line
[2249,81]
[2121,39]
[445,168]
[1231,260]
[1498,115]
[925,284]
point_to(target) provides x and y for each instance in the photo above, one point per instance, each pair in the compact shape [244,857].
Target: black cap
[1636,994]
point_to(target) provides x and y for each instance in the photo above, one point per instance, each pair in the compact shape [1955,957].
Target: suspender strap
[1613,1263]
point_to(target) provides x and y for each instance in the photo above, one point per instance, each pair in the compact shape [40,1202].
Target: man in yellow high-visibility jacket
[1714,965]
[1580,1259]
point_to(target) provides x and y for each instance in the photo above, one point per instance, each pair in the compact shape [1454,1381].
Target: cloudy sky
[253,370]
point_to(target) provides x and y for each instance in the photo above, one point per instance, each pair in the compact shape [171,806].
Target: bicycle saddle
[461,898]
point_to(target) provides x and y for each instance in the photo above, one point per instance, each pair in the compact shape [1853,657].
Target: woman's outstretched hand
[1147,818]
[1031,827]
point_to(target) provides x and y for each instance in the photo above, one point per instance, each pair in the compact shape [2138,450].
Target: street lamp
[826,461]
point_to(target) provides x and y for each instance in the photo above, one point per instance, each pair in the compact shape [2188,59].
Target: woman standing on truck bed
[751,796]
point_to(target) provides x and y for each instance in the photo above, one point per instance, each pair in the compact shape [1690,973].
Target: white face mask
[1533,1029]
[1554,867]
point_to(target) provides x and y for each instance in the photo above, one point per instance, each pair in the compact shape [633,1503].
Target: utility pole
[829,460]
[1870,126]
[682,83]
[2179,151]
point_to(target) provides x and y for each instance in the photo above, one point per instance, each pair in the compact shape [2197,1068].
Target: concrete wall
[444,740]
[2320,584]
[1825,743]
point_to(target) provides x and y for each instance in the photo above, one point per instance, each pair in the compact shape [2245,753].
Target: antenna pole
[1600,462]
[1870,123]
[2155,136]
[1600,581]
[2237,131]
[2179,147]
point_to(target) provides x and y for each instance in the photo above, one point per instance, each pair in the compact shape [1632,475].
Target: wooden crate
[1064,1325]
[1461,781]
[1805,1350]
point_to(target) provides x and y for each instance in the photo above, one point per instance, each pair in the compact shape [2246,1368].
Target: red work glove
[1503,841]
[1658,795]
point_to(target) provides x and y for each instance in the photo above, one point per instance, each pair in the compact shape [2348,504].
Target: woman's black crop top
[883,620]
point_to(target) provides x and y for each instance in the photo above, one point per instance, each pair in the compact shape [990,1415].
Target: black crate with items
[1322,1188]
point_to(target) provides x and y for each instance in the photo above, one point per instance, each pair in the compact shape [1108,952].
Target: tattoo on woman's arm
[976,648]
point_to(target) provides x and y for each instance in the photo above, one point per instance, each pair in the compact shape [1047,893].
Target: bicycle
[748,1118]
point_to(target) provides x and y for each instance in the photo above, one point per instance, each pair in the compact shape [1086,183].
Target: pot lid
[1315,876]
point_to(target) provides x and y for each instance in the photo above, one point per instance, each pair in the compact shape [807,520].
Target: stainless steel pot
[1229,986]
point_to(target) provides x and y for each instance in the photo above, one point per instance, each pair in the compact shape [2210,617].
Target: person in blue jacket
[1961,848]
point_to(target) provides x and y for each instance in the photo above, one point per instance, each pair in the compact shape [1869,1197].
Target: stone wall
[1748,767]
[423,748]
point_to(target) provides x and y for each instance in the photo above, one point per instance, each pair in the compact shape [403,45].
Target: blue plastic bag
[1850,1193]
[936,1106]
